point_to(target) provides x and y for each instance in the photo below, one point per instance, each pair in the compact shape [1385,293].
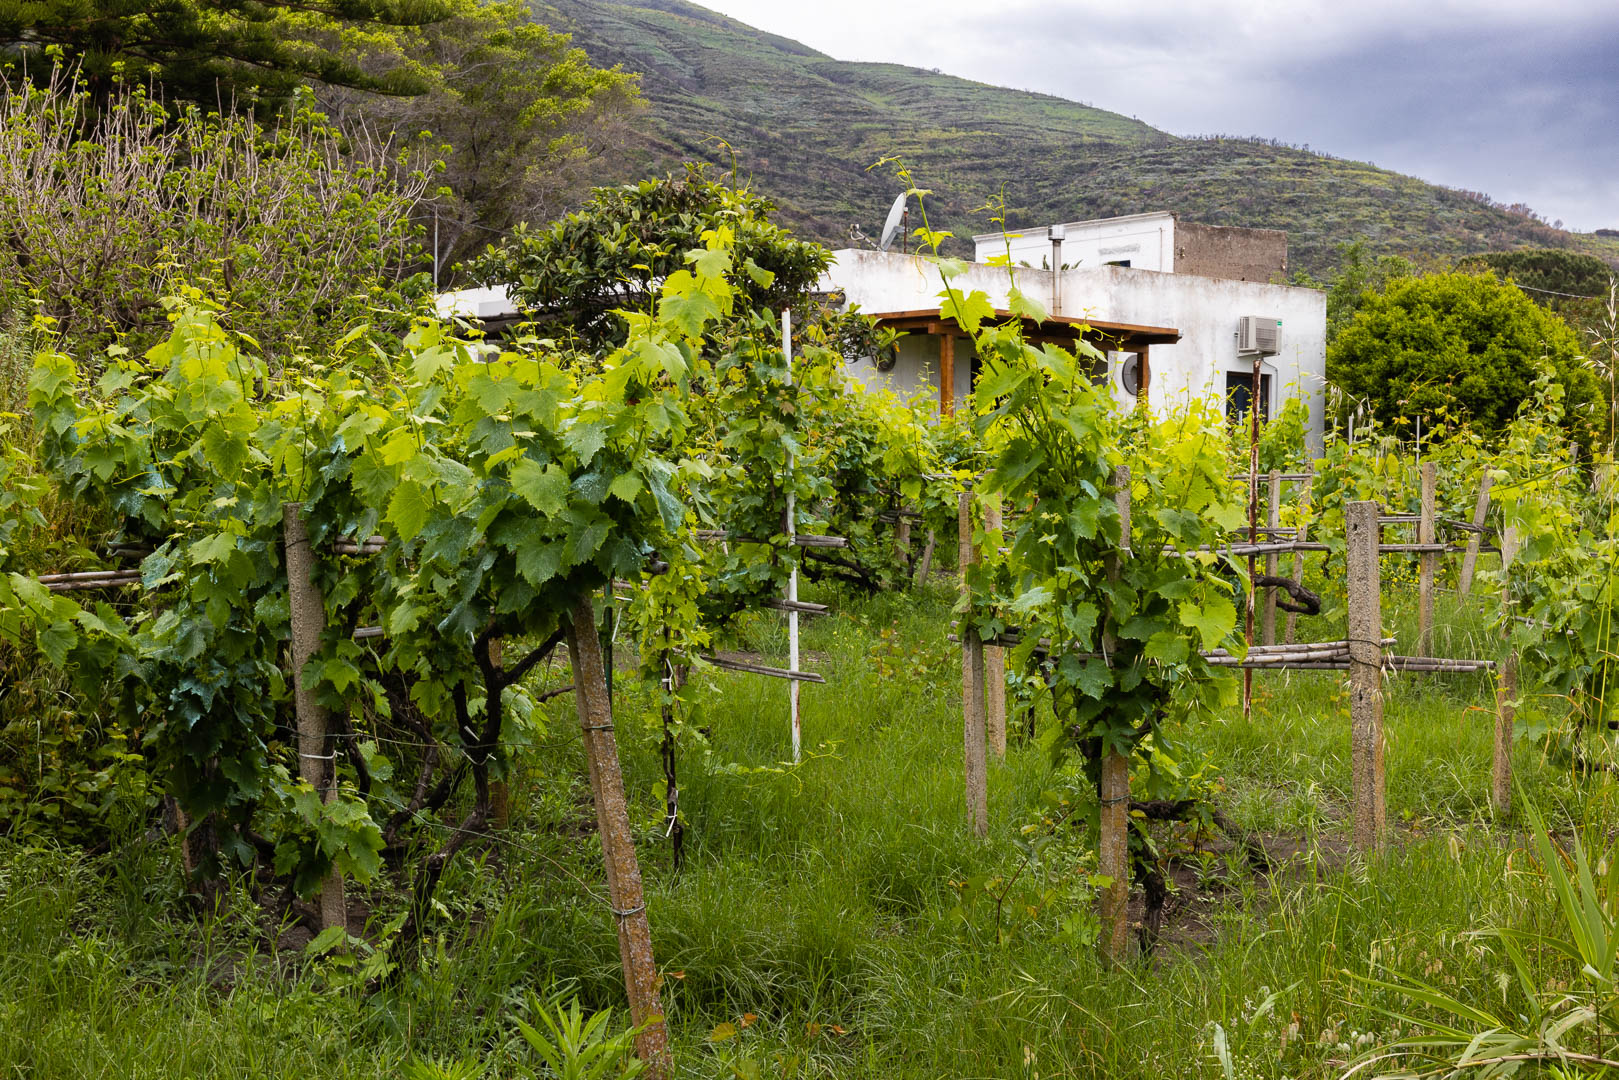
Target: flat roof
[1036,229]
[931,319]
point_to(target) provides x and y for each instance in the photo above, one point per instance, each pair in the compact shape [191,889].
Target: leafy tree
[208,52]
[611,256]
[1454,349]
[1359,274]
[516,148]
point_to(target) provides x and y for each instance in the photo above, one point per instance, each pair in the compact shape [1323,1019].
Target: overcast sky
[1516,99]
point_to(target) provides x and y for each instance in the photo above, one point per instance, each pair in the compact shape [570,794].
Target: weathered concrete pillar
[1365,674]
[317,759]
[975,767]
[1481,511]
[1506,696]
[1427,561]
[1113,791]
[994,662]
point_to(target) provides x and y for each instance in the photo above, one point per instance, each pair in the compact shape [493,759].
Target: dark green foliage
[525,146]
[1548,272]
[613,254]
[1359,274]
[1575,286]
[1457,349]
[209,52]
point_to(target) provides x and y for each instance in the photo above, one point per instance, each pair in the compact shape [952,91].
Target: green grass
[824,900]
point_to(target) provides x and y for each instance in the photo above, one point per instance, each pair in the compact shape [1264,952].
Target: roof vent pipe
[1056,234]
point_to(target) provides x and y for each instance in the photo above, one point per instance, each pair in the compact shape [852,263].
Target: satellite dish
[1130,375]
[891,226]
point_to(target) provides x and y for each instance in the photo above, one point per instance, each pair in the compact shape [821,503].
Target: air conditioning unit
[1259,334]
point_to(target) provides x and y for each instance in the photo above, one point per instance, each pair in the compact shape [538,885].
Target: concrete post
[1113,791]
[1427,561]
[1506,695]
[975,767]
[994,662]
[1481,511]
[1365,674]
[317,758]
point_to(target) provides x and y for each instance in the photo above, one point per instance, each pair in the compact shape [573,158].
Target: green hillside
[806,128]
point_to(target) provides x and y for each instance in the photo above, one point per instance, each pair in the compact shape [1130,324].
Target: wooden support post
[947,373]
[1506,696]
[1113,855]
[924,565]
[1481,511]
[1113,791]
[1509,546]
[975,767]
[1273,518]
[1428,561]
[1306,501]
[618,845]
[317,756]
[902,541]
[994,662]
[1365,674]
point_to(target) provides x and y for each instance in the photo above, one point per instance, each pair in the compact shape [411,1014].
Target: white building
[1175,312]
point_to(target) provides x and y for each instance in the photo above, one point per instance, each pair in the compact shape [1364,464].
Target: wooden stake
[902,542]
[925,563]
[947,373]
[1113,854]
[1306,499]
[1113,791]
[317,756]
[975,767]
[618,845]
[1505,712]
[994,662]
[1428,561]
[1509,546]
[1273,518]
[1481,511]
[1365,674]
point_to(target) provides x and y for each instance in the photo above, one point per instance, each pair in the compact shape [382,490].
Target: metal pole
[1253,529]
[792,529]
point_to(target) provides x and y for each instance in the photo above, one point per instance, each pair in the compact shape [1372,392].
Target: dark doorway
[1239,387]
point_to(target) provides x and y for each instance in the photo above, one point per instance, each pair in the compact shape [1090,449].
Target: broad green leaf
[544,487]
[409,508]
[1213,619]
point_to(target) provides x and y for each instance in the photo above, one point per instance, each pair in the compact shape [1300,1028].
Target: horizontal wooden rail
[726,664]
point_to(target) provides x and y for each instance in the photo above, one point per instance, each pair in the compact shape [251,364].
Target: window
[1119,262]
[1239,392]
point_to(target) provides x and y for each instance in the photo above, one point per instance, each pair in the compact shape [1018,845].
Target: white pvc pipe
[792,531]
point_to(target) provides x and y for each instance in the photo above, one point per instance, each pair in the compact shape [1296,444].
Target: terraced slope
[806,128]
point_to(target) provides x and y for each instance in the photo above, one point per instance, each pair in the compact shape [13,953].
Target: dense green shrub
[1458,349]
[613,254]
